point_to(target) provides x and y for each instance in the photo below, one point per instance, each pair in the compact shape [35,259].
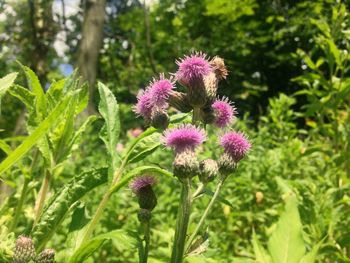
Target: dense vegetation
[287,201]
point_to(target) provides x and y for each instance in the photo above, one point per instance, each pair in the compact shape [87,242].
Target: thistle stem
[196,115]
[147,236]
[42,197]
[182,222]
[205,214]
[97,216]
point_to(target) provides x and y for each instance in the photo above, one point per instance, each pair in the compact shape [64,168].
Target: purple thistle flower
[184,137]
[155,96]
[142,182]
[160,90]
[192,67]
[224,112]
[235,144]
[143,106]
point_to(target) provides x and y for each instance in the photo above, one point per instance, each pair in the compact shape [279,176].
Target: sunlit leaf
[286,244]
[35,136]
[109,110]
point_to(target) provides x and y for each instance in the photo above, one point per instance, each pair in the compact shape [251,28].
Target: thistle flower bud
[211,83]
[46,256]
[208,170]
[227,165]
[24,250]
[186,164]
[142,187]
[179,101]
[219,67]
[197,94]
[144,215]
[160,119]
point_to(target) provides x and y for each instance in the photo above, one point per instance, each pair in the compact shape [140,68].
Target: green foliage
[289,64]
[120,237]
[110,132]
[35,136]
[5,84]
[63,201]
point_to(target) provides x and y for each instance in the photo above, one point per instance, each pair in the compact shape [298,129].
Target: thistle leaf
[60,203]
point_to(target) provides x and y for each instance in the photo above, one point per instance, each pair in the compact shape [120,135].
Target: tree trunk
[90,45]
[44,30]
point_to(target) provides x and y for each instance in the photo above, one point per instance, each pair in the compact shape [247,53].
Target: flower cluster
[200,77]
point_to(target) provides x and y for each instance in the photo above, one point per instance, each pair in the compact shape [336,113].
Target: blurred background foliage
[289,79]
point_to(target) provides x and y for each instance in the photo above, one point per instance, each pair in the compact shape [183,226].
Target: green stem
[97,216]
[18,209]
[204,216]
[42,197]
[196,115]
[183,217]
[147,241]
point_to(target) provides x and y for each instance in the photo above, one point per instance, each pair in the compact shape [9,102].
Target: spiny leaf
[5,84]
[145,147]
[35,136]
[24,95]
[63,200]
[109,110]
[35,86]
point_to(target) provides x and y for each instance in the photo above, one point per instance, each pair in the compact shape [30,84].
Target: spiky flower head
[24,250]
[186,136]
[224,112]
[142,187]
[46,256]
[143,106]
[141,182]
[159,90]
[192,67]
[154,97]
[235,144]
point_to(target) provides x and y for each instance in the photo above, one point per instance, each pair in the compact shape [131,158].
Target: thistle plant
[200,77]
